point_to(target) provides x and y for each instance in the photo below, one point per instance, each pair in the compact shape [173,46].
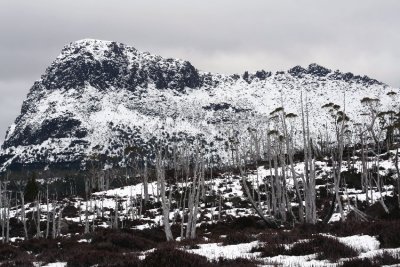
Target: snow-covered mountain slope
[99,97]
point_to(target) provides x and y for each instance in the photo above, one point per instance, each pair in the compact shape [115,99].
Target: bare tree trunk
[2,213]
[284,205]
[268,221]
[48,213]
[278,188]
[336,179]
[140,209]
[378,182]
[165,206]
[146,183]
[194,195]
[290,152]
[219,207]
[191,200]
[183,212]
[102,207]
[190,211]
[93,219]
[396,159]
[59,222]
[54,230]
[272,177]
[115,226]
[131,206]
[311,167]
[196,204]
[86,218]
[38,233]
[8,201]
[364,175]
[23,215]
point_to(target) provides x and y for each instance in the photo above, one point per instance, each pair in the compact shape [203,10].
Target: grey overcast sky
[225,36]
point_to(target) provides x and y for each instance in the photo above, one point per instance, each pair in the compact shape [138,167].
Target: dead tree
[38,232]
[47,211]
[309,167]
[194,196]
[116,214]
[340,120]
[375,126]
[396,158]
[185,162]
[8,207]
[87,192]
[287,135]
[2,213]
[160,170]
[59,221]
[87,230]
[53,218]
[239,161]
[145,182]
[23,218]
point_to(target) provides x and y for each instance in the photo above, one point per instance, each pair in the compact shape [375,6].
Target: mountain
[100,97]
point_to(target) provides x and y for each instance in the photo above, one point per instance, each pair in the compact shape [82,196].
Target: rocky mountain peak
[99,97]
[105,64]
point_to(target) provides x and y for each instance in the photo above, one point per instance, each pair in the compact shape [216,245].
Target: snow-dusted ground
[228,186]
[54,264]
[213,251]
[367,246]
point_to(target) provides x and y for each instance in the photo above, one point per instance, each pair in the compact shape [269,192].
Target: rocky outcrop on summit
[317,70]
[110,64]
[99,97]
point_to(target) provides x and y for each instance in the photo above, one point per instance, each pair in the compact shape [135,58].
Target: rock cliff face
[99,97]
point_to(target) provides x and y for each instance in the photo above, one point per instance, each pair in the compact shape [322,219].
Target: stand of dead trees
[180,175]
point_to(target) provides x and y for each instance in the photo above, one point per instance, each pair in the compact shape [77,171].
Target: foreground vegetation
[107,247]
